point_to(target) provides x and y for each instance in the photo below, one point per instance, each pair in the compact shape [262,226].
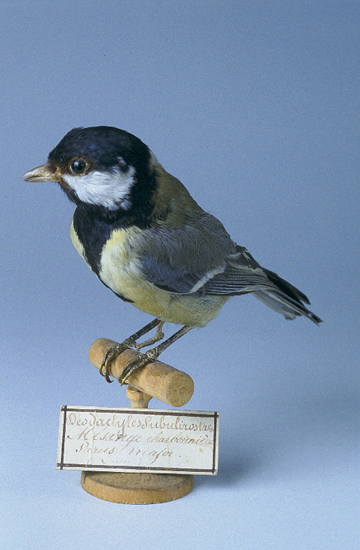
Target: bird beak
[41,173]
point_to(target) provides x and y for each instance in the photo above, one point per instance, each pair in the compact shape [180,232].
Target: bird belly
[120,270]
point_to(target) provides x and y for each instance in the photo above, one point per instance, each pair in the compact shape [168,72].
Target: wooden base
[136,488]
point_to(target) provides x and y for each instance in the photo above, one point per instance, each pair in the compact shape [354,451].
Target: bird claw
[110,355]
[143,358]
[135,364]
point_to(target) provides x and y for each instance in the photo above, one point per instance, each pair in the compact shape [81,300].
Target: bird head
[101,167]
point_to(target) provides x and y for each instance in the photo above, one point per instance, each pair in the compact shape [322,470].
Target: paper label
[138,440]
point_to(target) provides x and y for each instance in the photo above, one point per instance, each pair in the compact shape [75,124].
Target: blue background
[254,106]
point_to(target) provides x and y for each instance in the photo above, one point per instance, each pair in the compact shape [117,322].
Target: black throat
[94,224]
[93,227]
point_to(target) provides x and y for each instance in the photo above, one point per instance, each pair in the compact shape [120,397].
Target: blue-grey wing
[201,258]
[182,259]
[242,274]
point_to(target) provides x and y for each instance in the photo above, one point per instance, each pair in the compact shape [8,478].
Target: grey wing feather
[182,259]
[243,274]
[201,258]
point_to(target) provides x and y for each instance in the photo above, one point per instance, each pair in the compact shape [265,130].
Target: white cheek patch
[108,189]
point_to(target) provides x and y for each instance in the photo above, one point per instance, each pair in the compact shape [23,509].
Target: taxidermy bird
[144,236]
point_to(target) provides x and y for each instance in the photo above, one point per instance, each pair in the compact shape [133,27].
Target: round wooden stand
[136,488]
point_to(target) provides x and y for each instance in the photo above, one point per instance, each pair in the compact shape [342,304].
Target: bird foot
[135,364]
[111,354]
[144,358]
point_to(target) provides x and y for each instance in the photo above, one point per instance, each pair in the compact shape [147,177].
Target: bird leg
[151,355]
[159,335]
[114,351]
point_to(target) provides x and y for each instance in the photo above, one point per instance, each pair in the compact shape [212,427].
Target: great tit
[144,236]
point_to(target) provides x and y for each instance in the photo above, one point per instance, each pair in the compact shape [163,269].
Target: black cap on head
[102,146]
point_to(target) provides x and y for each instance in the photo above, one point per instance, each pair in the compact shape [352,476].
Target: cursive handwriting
[134,440]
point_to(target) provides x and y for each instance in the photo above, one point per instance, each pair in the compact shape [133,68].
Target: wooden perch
[156,379]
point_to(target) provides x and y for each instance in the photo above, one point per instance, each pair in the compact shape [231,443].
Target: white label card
[138,440]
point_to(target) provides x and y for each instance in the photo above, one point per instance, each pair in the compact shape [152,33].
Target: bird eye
[78,166]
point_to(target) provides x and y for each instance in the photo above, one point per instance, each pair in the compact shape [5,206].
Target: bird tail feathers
[285,299]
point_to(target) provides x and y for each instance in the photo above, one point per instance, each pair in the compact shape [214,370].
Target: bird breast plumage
[120,270]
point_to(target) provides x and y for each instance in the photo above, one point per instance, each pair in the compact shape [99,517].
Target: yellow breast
[120,270]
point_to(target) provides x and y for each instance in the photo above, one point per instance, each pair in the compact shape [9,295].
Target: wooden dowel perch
[157,379]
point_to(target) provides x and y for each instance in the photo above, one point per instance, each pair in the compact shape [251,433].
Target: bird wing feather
[208,262]
[199,257]
[182,259]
